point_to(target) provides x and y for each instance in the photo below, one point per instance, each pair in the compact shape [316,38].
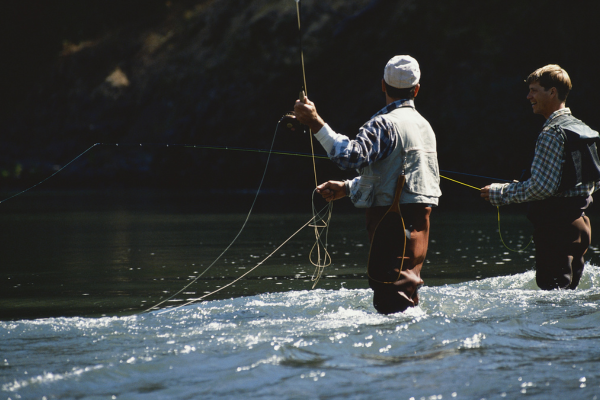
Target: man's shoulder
[380,120]
[567,124]
[403,113]
[409,116]
[551,133]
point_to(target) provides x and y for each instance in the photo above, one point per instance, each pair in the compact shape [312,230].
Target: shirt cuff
[350,184]
[496,191]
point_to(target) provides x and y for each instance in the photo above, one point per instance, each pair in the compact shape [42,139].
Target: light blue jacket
[415,156]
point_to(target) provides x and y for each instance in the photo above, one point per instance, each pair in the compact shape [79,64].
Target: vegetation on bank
[222,73]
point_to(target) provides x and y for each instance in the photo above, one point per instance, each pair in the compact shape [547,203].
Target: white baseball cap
[402,72]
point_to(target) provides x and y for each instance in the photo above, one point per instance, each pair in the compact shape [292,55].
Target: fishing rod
[320,221]
[304,90]
[317,221]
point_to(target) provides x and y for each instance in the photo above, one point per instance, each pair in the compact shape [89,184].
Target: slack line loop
[236,236]
[313,223]
[499,229]
[502,240]
[191,301]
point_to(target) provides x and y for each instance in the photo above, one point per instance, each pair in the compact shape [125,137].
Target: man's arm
[546,172]
[373,142]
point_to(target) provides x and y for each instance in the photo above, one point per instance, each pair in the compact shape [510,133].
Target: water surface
[97,253]
[78,274]
[494,338]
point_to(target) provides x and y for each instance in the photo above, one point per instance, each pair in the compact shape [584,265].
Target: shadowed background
[223,73]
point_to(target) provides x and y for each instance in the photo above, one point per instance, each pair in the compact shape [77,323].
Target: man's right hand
[306,113]
[332,190]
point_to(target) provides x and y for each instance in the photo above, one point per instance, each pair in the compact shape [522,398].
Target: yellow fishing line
[462,183]
[502,240]
[499,230]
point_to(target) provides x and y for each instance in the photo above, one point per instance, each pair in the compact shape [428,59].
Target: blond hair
[552,76]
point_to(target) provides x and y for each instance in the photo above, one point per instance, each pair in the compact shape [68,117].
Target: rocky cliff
[222,73]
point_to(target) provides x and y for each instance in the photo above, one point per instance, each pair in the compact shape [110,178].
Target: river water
[79,270]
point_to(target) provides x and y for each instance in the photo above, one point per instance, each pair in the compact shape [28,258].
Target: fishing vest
[415,156]
[581,165]
[581,162]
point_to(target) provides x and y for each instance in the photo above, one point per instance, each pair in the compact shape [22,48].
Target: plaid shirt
[375,140]
[546,172]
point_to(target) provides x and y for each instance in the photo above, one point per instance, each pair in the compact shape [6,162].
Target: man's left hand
[332,190]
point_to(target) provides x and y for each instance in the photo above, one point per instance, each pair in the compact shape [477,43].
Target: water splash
[492,338]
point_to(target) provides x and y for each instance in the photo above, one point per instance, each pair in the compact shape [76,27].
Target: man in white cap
[396,141]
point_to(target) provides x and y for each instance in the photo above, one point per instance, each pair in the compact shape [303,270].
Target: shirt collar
[396,104]
[556,114]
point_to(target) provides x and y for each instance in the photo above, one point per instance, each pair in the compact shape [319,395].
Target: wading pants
[559,251]
[397,297]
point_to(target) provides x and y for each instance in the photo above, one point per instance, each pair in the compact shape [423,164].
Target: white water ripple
[494,338]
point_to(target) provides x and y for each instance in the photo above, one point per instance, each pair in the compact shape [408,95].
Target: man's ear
[383,85]
[417,87]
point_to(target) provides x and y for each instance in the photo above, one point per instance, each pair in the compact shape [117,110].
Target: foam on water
[493,338]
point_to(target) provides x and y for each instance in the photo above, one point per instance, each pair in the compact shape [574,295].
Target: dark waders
[398,296]
[562,235]
[559,251]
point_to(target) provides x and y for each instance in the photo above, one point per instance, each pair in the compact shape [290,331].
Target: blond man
[565,172]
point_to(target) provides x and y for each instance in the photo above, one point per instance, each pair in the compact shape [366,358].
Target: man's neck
[560,107]
[389,100]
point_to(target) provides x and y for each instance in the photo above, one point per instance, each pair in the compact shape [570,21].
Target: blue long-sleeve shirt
[373,142]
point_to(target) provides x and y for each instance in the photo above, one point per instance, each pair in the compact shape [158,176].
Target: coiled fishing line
[320,221]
